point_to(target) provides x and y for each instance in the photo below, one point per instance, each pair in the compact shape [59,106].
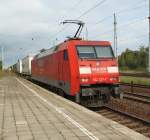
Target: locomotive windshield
[86,52]
[95,52]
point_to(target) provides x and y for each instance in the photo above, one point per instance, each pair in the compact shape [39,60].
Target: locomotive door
[60,68]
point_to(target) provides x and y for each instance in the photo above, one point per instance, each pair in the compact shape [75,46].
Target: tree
[134,59]
[143,57]
[121,60]
[0,65]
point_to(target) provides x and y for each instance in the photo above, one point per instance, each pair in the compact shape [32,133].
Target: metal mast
[149,40]
[115,35]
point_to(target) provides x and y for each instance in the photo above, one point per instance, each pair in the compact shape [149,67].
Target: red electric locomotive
[86,70]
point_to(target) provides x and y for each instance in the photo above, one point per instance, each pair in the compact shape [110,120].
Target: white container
[19,66]
[26,65]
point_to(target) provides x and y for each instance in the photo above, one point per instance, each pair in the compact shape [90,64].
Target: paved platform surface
[29,112]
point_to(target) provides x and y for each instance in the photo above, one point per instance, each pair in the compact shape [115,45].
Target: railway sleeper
[147,134]
[142,129]
[112,116]
[133,125]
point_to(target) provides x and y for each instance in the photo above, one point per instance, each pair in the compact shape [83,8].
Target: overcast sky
[26,26]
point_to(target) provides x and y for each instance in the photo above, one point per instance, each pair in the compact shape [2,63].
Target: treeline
[134,60]
[0,65]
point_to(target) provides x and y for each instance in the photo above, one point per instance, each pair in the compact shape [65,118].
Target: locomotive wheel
[116,92]
[77,98]
[61,93]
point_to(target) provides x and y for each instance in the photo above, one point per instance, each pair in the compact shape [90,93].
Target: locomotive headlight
[112,69]
[111,79]
[84,79]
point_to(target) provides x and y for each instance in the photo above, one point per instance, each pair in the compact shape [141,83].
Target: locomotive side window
[65,55]
[86,52]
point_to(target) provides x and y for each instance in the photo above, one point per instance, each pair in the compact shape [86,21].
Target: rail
[133,122]
[128,114]
[135,85]
[137,97]
[130,108]
[144,75]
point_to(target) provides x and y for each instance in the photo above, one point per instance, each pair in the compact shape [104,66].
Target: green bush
[134,60]
[0,65]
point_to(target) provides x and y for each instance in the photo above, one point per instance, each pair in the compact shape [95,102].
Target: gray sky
[27,26]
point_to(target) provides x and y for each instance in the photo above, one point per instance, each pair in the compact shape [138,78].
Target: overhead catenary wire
[133,38]
[91,9]
[137,40]
[64,28]
[105,18]
[126,25]
[72,8]
[83,14]
[128,9]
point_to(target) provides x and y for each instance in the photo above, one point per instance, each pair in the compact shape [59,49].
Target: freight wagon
[19,66]
[14,68]
[26,65]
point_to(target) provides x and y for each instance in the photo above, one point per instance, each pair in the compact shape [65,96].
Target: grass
[136,80]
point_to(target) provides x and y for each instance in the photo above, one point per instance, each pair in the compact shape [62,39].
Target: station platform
[29,112]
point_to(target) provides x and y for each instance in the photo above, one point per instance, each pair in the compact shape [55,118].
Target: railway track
[134,115]
[145,75]
[137,97]
[123,118]
[138,93]
[126,113]
[135,85]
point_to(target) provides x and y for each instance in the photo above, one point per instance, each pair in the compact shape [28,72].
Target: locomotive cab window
[104,52]
[93,52]
[86,52]
[65,55]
